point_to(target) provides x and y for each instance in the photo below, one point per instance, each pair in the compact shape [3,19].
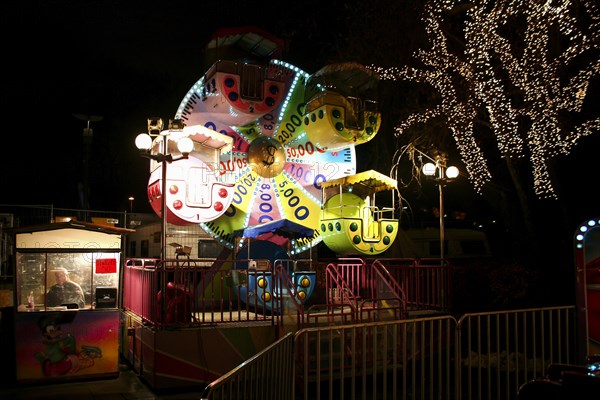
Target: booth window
[96,273]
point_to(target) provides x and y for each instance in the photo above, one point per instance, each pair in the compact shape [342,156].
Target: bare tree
[519,70]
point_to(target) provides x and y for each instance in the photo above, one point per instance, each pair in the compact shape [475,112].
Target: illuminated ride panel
[276,168]
[351,222]
[197,190]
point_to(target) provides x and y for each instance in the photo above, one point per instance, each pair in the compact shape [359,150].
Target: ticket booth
[67,301]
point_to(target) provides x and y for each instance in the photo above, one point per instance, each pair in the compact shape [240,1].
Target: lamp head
[155,125]
[185,145]
[429,169]
[452,172]
[143,142]
[176,125]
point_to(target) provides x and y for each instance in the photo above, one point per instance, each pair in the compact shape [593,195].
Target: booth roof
[88,226]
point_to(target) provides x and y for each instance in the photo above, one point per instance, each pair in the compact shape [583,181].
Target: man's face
[61,277]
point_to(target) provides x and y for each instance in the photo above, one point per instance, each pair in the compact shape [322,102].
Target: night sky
[129,60]
[122,60]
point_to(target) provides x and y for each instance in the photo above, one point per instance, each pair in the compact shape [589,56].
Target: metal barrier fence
[198,291]
[426,281]
[500,351]
[480,356]
[189,292]
[395,360]
[269,375]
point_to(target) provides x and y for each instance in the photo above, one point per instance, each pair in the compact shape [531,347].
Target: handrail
[345,293]
[196,294]
[381,271]
[349,260]
[282,278]
[241,382]
[426,282]
[286,262]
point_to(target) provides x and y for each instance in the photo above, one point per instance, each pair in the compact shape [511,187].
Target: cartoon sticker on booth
[60,356]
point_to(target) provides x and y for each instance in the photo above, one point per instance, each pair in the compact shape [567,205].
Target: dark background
[130,60]
[122,60]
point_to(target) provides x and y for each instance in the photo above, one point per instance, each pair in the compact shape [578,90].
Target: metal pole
[87,143]
[163,207]
[441,164]
[163,230]
[442,235]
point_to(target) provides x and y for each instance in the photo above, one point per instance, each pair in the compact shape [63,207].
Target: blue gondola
[262,258]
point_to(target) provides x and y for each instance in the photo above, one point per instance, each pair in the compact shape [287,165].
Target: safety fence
[188,293]
[426,281]
[193,292]
[478,356]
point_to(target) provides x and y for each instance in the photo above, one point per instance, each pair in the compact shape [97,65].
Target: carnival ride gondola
[352,222]
[341,109]
[196,191]
[261,287]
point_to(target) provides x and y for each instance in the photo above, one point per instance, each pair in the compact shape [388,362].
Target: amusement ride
[273,159]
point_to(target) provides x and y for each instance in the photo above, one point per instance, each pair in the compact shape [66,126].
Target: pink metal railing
[386,295]
[425,282]
[289,302]
[341,301]
[356,291]
[189,292]
[192,292]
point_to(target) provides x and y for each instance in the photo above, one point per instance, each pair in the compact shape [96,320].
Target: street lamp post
[144,143]
[88,134]
[442,175]
[131,199]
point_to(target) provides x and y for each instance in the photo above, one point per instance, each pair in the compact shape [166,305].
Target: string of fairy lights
[497,63]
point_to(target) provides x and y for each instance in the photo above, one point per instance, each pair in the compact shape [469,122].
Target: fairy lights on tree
[527,63]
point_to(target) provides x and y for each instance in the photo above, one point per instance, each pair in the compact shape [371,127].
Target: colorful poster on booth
[66,344]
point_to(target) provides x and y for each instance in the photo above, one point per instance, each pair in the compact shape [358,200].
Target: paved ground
[127,386]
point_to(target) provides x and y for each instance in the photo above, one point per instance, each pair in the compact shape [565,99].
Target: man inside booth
[65,292]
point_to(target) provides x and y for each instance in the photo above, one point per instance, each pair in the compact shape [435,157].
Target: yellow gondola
[333,121]
[351,222]
[341,106]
